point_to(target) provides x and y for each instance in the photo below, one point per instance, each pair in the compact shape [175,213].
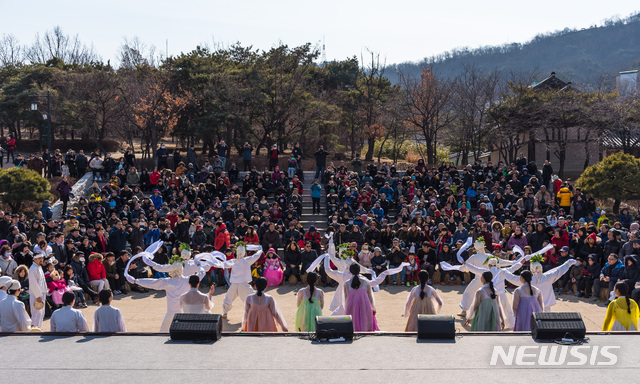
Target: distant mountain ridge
[589,57]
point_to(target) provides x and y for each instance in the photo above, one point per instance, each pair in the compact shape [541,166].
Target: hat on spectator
[377,249]
[312,228]
[38,255]
[564,249]
[4,280]
[395,239]
[13,285]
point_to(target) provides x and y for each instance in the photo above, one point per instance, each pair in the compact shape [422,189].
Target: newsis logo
[555,355]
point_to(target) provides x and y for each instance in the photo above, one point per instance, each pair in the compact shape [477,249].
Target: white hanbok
[37,289]
[174,287]
[108,319]
[470,292]
[13,315]
[240,278]
[499,276]
[195,301]
[544,282]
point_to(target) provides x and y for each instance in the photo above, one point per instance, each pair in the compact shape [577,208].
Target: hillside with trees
[591,57]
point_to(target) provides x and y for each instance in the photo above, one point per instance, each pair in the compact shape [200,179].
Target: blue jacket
[156,200]
[388,192]
[316,191]
[152,236]
[47,213]
[616,272]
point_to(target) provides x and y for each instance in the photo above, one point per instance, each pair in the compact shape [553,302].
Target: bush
[19,185]
[615,177]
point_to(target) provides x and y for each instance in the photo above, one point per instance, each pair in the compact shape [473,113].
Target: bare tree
[10,50]
[134,53]
[475,94]
[429,102]
[55,44]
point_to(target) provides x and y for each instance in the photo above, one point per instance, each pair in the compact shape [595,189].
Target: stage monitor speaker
[333,327]
[197,327]
[555,325]
[436,327]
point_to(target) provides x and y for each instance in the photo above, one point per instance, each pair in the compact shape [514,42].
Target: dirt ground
[143,312]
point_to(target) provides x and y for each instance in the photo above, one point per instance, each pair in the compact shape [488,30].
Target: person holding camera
[246,156]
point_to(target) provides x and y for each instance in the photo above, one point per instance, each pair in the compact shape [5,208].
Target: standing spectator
[246,156]
[37,290]
[321,162]
[130,157]
[177,158]
[316,194]
[192,157]
[64,189]
[36,164]
[564,198]
[107,318]
[222,237]
[162,155]
[297,154]
[10,142]
[218,166]
[223,152]
[68,319]
[46,158]
[395,257]
[273,157]
[356,163]
[118,238]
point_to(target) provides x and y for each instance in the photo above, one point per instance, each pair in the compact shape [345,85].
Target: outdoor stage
[242,358]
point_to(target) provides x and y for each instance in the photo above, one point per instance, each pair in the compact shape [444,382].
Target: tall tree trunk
[371,141]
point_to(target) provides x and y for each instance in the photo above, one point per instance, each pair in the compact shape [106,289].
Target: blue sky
[399,30]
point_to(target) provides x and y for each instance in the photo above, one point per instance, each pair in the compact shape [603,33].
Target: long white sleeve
[554,274]
[510,277]
[476,270]
[156,284]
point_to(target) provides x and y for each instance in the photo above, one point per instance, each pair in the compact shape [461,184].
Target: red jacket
[223,240]
[154,177]
[252,240]
[96,270]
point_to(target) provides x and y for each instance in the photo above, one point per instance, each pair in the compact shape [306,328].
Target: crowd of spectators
[420,216]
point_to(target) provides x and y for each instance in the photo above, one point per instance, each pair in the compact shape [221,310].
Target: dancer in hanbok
[485,313]
[543,281]
[499,276]
[175,286]
[526,300]
[360,303]
[622,313]
[478,259]
[190,268]
[240,278]
[273,268]
[422,300]
[261,313]
[310,304]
